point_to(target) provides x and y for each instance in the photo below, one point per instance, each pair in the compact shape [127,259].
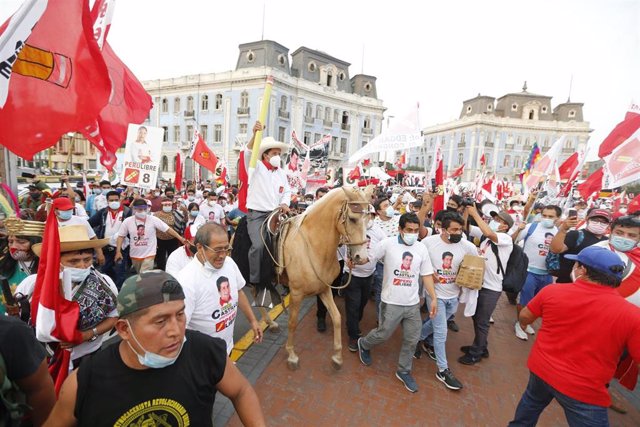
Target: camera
[468,201]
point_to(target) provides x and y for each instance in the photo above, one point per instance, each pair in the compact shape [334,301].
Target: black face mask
[451,209]
[455,238]
[35,195]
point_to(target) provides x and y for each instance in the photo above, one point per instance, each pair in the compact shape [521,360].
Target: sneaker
[453,326]
[530,330]
[353,345]
[520,333]
[466,348]
[408,381]
[321,326]
[418,353]
[428,349]
[468,359]
[449,380]
[365,355]
[491,320]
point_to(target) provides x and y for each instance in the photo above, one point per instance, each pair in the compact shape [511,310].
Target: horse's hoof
[293,366]
[336,365]
[274,328]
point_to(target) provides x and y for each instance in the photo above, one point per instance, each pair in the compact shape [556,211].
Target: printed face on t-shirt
[406,261]
[447,261]
[225,292]
[403,276]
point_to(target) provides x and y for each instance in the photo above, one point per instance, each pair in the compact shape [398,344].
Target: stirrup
[263,299]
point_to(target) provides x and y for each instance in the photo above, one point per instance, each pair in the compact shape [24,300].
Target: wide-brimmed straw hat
[74,238]
[22,227]
[268,143]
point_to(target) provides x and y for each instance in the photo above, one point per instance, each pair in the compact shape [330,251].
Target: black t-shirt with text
[571,240]
[112,394]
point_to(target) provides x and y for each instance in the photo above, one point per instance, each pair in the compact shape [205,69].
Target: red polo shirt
[585,327]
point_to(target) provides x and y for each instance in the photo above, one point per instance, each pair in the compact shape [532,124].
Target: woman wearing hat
[21,261]
[95,293]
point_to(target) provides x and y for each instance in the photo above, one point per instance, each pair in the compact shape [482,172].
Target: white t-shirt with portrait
[446,259]
[403,266]
[205,311]
[536,246]
[493,280]
[213,213]
[142,244]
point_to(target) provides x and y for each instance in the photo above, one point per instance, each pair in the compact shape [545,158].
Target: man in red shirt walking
[586,325]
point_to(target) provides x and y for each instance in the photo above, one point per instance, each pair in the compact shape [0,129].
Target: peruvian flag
[623,164]
[490,185]
[568,166]
[621,132]
[483,160]
[202,154]
[592,185]
[178,178]
[56,318]
[243,182]
[53,78]
[457,172]
[355,173]
[634,204]
[437,174]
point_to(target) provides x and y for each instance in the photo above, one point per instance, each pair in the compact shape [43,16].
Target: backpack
[12,400]
[553,260]
[515,274]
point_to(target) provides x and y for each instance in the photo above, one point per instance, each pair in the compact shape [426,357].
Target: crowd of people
[154,268]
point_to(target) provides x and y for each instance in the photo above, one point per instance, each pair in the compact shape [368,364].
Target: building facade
[312,94]
[504,130]
[72,152]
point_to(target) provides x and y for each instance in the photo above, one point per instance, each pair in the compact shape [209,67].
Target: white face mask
[275,161]
[78,274]
[141,215]
[597,227]
[156,193]
[574,277]
[167,209]
[410,238]
[114,205]
[622,210]
[390,212]
[494,225]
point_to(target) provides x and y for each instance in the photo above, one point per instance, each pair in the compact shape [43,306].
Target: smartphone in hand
[572,213]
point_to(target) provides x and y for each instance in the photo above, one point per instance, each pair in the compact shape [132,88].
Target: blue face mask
[547,223]
[153,360]
[410,238]
[622,244]
[65,215]
[390,212]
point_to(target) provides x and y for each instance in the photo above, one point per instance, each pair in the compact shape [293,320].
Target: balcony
[508,146]
[568,150]
[462,144]
[526,147]
[327,123]
[367,131]
[308,119]
[243,111]
[488,144]
[283,114]
[189,113]
[345,126]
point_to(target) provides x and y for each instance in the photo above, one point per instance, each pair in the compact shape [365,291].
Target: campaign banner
[306,165]
[142,156]
[622,165]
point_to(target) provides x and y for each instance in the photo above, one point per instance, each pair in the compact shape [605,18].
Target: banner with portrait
[142,156]
[306,166]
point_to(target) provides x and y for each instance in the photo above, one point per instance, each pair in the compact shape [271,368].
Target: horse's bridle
[343,217]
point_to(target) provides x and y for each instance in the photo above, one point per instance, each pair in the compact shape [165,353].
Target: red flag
[355,173]
[54,79]
[622,164]
[243,182]
[366,162]
[591,185]
[489,185]
[178,178]
[203,154]
[483,160]
[634,205]
[620,133]
[568,166]
[457,172]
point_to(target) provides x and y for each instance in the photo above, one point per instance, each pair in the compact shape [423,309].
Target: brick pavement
[316,395]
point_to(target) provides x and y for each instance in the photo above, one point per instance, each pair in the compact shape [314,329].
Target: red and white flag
[243,181]
[591,185]
[621,132]
[53,78]
[355,173]
[437,173]
[177,181]
[457,172]
[202,154]
[544,166]
[623,164]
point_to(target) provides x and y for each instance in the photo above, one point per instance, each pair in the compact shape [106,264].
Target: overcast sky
[437,53]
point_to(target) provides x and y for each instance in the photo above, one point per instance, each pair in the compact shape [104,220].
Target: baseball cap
[147,289]
[600,259]
[63,203]
[504,216]
[601,213]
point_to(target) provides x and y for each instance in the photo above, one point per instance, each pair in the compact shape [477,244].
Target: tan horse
[307,248]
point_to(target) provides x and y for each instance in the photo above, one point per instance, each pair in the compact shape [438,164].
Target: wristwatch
[95,334]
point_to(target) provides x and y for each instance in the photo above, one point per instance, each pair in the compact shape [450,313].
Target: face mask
[275,161]
[517,208]
[547,223]
[574,277]
[19,255]
[156,193]
[77,199]
[494,225]
[191,198]
[622,244]
[455,238]
[207,265]
[141,215]
[78,274]
[452,209]
[97,191]
[167,209]
[153,360]
[194,213]
[537,217]
[410,238]
[212,202]
[390,212]
[223,203]
[114,205]
[65,215]
[596,227]
[622,210]
[35,195]
[582,213]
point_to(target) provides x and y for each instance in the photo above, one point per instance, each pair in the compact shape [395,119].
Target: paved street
[316,395]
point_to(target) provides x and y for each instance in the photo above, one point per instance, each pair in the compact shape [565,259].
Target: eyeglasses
[220,251]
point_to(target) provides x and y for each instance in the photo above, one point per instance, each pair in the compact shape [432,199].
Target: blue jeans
[539,394]
[532,285]
[377,286]
[116,270]
[438,327]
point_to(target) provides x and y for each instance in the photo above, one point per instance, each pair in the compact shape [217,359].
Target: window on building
[307,138]
[329,78]
[316,137]
[205,103]
[175,162]
[309,110]
[487,157]
[517,162]
[367,123]
[282,133]
[506,161]
[283,103]
[364,142]
[327,114]
[204,131]
[463,138]
[165,134]
[443,139]
[242,129]
[189,135]
[429,160]
[165,105]
[469,108]
[514,107]
[319,112]
[530,114]
[218,101]
[333,145]
[217,133]
[244,99]
[176,105]
[343,145]
[489,107]
[165,164]
[518,140]
[572,113]
[176,134]
[526,141]
[336,116]
[460,158]
[345,118]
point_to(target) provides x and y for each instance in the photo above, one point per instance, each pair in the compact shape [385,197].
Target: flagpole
[264,109]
